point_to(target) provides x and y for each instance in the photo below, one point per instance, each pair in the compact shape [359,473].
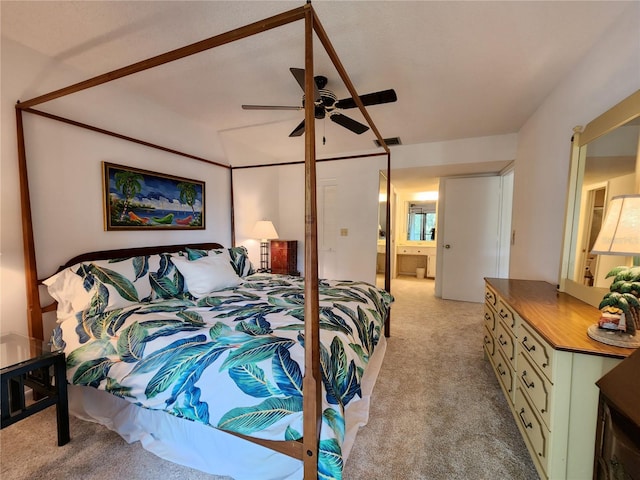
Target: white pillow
[66,288]
[206,274]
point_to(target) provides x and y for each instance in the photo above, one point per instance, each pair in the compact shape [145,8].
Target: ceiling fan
[327,104]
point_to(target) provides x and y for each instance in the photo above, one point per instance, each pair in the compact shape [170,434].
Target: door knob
[447,246]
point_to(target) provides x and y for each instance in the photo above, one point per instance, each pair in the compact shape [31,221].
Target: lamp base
[613,337]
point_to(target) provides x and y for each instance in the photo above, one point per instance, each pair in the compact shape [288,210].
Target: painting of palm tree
[137,199]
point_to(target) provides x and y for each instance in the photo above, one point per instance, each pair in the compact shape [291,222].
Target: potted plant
[621,306]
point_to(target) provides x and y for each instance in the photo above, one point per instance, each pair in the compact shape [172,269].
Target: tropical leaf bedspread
[235,358]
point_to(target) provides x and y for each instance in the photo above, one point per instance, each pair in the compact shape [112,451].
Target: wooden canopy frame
[306,449]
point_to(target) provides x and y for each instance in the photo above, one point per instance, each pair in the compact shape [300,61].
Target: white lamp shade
[264,230]
[620,233]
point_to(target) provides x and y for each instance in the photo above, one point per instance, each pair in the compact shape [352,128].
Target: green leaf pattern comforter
[234,359]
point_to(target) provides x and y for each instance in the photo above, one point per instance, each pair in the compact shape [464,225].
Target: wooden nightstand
[284,257]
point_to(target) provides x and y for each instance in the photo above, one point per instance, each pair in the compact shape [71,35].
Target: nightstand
[28,362]
[284,257]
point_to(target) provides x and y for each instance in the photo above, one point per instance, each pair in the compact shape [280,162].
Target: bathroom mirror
[604,164]
[421,220]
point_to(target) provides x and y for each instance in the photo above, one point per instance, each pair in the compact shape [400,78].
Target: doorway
[470,236]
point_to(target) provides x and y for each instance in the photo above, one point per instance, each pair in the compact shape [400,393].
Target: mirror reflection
[382,207]
[609,170]
[382,233]
[421,220]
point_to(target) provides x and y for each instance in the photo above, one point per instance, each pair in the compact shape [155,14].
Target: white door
[470,236]
[327,202]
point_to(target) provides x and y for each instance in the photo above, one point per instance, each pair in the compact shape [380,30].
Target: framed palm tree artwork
[136,199]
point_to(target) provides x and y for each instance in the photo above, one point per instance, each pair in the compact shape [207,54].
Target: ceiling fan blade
[375,98]
[299,130]
[298,73]
[270,107]
[349,123]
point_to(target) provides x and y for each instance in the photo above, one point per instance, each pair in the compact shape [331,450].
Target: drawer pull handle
[524,421]
[487,341]
[502,341]
[487,317]
[501,370]
[503,315]
[524,380]
[527,347]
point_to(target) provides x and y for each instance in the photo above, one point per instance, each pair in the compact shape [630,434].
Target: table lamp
[265,231]
[620,308]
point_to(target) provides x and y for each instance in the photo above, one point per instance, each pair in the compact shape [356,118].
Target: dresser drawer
[506,342]
[490,297]
[505,374]
[506,315]
[538,350]
[536,435]
[537,387]
[489,344]
[489,318]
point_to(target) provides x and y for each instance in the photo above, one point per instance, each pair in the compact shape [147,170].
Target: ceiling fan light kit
[327,104]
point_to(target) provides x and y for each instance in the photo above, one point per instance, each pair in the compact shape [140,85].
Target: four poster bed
[206,362]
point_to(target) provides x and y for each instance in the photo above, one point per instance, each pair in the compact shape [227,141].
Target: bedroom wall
[64,164]
[607,75]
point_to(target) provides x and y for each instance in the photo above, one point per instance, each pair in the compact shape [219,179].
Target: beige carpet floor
[437,413]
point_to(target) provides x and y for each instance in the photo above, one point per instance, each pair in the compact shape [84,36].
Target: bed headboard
[39,310]
[136,252]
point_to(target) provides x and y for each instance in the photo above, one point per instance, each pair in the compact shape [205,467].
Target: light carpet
[437,412]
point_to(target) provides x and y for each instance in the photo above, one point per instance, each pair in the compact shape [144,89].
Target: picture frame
[137,199]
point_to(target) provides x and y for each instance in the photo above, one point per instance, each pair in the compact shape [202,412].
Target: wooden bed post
[387,260]
[233,213]
[311,386]
[34,313]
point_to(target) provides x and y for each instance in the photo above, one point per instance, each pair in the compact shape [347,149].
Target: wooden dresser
[536,340]
[284,257]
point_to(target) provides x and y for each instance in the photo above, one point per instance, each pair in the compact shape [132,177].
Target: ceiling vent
[389,141]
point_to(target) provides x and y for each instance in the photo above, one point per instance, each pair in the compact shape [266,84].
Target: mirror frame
[620,114]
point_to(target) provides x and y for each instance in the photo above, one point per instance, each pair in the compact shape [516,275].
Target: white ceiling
[460,69]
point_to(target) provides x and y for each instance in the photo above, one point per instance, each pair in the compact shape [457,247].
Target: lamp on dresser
[620,308]
[265,231]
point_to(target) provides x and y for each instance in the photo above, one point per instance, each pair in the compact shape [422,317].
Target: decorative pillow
[195,254]
[100,286]
[240,261]
[167,281]
[206,274]
[238,257]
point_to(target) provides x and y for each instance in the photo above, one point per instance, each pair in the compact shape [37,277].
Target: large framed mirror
[605,163]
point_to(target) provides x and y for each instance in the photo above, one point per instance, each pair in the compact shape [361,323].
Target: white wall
[64,164]
[493,148]
[277,193]
[607,75]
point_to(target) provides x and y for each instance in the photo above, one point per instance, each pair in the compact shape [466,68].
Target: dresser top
[562,320]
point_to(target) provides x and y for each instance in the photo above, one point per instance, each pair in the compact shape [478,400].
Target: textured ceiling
[460,69]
